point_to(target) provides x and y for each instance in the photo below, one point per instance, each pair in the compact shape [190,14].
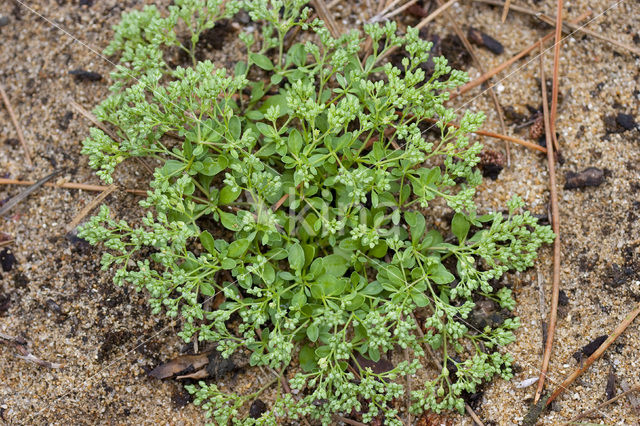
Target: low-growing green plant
[300,189]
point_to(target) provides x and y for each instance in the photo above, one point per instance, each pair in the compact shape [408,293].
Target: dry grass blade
[556,80]
[325,15]
[86,209]
[16,124]
[486,76]
[597,354]
[505,10]
[92,118]
[24,194]
[398,10]
[69,185]
[604,404]
[555,223]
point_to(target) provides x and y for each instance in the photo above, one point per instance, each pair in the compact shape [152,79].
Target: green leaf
[228,195]
[372,289]
[235,127]
[295,142]
[262,61]
[307,359]
[460,226]
[229,220]
[440,275]
[298,300]
[335,265]
[207,289]
[296,257]
[237,248]
[208,242]
[313,332]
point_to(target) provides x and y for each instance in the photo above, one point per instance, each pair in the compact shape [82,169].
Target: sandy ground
[57,299]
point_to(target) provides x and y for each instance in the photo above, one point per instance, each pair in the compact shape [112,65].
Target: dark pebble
[63,122]
[590,176]
[587,350]
[5,303]
[7,259]
[257,408]
[87,3]
[485,40]
[12,142]
[563,299]
[4,21]
[84,75]
[626,121]
[54,306]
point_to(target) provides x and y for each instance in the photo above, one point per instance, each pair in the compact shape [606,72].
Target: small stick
[93,119]
[348,421]
[478,81]
[556,81]
[7,243]
[498,136]
[398,10]
[86,209]
[604,404]
[597,354]
[323,13]
[505,11]
[24,194]
[555,222]
[565,25]
[70,185]
[12,115]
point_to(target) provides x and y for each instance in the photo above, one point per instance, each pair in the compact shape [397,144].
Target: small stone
[485,40]
[626,121]
[4,21]
[257,408]
[84,75]
[590,176]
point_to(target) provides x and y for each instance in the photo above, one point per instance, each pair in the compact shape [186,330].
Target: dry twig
[604,404]
[556,81]
[597,354]
[70,185]
[12,115]
[24,194]
[498,136]
[555,222]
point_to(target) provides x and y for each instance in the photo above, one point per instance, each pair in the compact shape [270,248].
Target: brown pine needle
[486,76]
[86,209]
[528,144]
[69,185]
[505,11]
[597,354]
[555,223]
[93,119]
[604,404]
[556,80]
[16,124]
